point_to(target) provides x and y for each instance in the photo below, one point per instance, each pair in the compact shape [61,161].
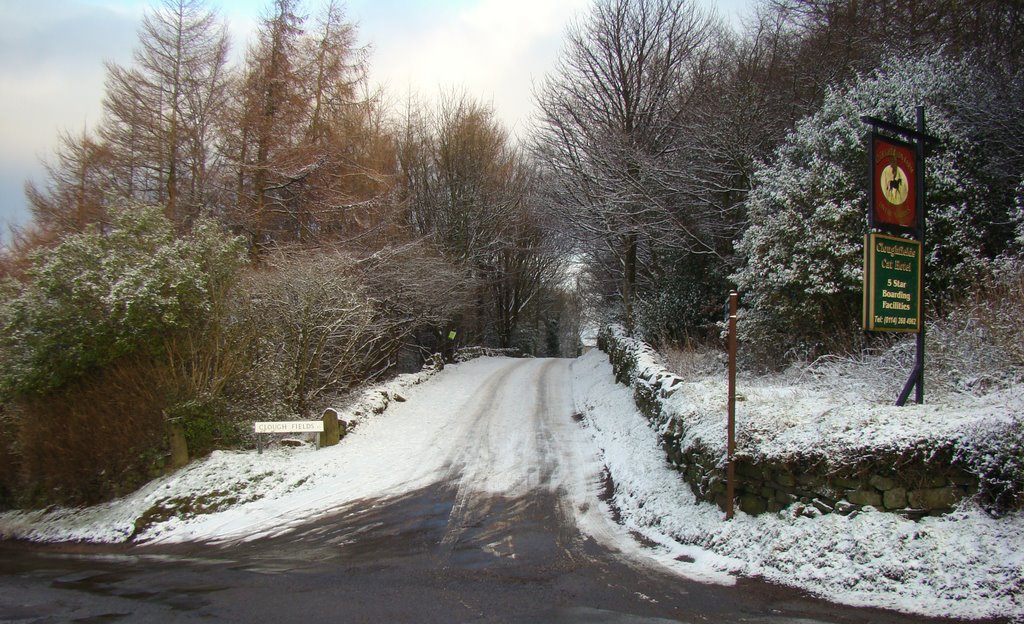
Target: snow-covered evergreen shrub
[801,281]
[102,295]
[677,309]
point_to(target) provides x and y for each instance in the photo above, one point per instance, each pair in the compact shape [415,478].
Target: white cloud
[493,49]
[51,75]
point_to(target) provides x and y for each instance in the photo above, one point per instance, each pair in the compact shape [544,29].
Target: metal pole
[730,467]
[921,224]
[916,380]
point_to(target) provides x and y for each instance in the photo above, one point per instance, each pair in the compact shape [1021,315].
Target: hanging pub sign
[892,283]
[894,246]
[893,199]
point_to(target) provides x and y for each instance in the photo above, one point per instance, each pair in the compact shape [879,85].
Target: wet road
[496,537]
[392,561]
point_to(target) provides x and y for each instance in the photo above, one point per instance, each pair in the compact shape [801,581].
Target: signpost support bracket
[913,382]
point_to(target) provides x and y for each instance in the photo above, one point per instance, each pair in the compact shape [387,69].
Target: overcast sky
[52,54]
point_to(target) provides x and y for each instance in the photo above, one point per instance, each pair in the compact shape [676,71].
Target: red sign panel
[894,183]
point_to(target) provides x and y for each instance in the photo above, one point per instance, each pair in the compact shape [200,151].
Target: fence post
[730,467]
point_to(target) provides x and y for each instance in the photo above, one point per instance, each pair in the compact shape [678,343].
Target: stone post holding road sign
[178,444]
[332,428]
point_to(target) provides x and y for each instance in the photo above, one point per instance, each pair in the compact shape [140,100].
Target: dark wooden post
[921,227]
[730,467]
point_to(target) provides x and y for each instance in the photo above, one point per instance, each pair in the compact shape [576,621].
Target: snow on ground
[776,419]
[966,564]
[493,425]
[239,494]
[838,416]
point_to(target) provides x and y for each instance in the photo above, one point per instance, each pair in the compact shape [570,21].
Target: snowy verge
[778,420]
[834,435]
[206,499]
[965,564]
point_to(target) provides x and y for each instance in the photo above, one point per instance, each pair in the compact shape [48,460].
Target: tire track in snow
[473,467]
[518,460]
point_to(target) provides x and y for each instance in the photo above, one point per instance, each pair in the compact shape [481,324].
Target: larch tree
[159,113]
[76,193]
[312,154]
[267,113]
[346,143]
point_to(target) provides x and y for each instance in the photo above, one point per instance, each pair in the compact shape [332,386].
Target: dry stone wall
[914,483]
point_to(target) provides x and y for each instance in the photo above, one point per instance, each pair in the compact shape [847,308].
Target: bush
[801,282]
[112,331]
[315,331]
[207,422]
[94,439]
[10,463]
[104,295]
[688,304]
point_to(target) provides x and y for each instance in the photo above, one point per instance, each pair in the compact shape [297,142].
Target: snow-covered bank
[240,494]
[966,564]
[490,426]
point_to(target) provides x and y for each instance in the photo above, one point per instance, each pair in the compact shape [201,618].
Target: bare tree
[472,192]
[323,323]
[611,116]
[520,268]
[334,69]
[160,112]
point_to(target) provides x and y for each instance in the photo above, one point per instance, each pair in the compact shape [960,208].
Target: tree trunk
[629,280]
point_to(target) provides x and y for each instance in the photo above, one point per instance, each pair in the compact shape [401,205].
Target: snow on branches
[806,210]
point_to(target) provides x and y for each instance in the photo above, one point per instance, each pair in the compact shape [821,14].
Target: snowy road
[494,426]
[514,436]
[479,497]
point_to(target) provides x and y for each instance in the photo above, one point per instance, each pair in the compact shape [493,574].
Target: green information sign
[892,283]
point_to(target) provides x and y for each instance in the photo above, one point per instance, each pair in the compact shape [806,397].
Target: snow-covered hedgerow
[114,331]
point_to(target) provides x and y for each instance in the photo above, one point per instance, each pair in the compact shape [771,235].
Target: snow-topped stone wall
[922,477]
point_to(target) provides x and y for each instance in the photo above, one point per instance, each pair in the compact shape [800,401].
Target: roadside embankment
[825,452]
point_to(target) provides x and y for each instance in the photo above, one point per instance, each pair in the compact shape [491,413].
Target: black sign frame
[920,142]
